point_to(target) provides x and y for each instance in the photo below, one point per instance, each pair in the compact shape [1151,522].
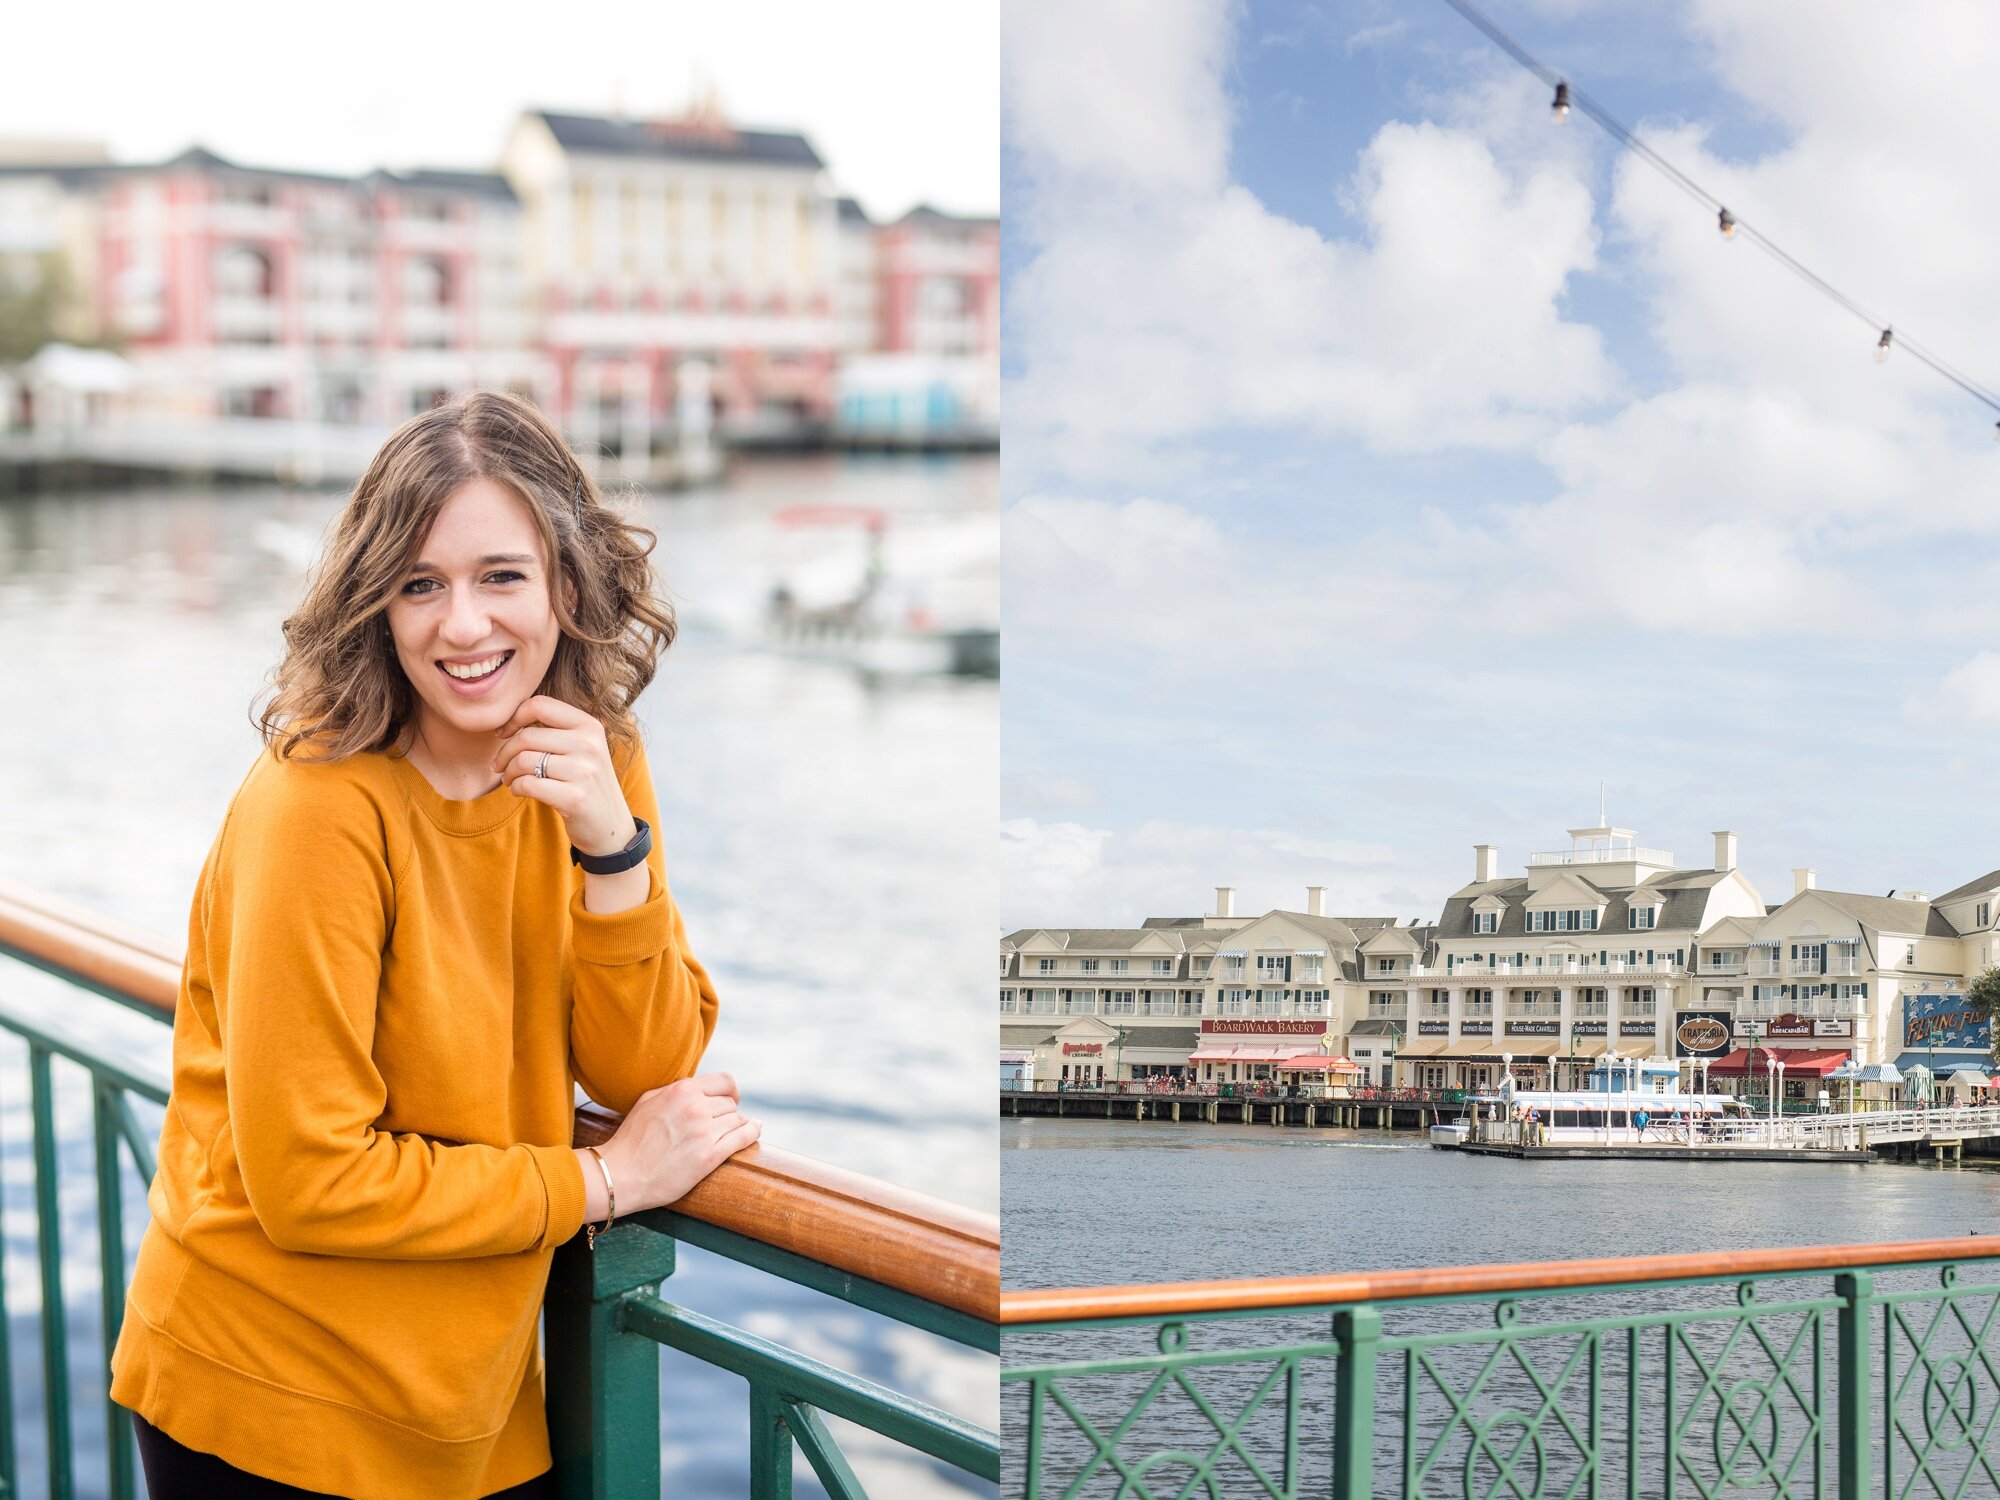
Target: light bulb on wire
[1882,347]
[1559,107]
[1726,222]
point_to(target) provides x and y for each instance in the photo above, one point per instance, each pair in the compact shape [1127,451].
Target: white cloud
[1164,301]
[1067,874]
[1968,697]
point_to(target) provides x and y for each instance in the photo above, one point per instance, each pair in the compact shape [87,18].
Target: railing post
[1357,1331]
[1855,1289]
[603,1390]
[770,1445]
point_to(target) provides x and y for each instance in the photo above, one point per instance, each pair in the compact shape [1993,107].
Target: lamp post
[1118,1060]
[1395,1046]
[1750,1061]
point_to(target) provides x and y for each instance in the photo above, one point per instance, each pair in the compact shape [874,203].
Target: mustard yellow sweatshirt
[365,1165]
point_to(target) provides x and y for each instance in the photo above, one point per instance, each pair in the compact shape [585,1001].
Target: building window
[1641,918]
[1271,965]
[1231,1002]
[1163,966]
[1271,1002]
[1984,915]
[1088,965]
[1045,1002]
[1045,966]
[1003,963]
[1312,1002]
[1201,966]
[1487,921]
[1385,966]
[1007,1000]
[1190,1002]
[1080,1002]
[1118,1002]
[1121,965]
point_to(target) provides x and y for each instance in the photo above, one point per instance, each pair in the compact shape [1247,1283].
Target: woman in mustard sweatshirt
[435,906]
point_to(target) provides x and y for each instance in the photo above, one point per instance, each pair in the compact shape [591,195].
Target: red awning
[1258,1052]
[1809,1062]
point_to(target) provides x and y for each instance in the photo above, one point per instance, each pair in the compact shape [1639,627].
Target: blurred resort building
[1605,948]
[635,277]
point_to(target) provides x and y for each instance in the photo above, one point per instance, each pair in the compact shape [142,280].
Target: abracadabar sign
[1946,1022]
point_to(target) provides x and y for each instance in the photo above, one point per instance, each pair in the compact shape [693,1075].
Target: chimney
[1225,901]
[1725,851]
[1803,881]
[1486,862]
[1315,900]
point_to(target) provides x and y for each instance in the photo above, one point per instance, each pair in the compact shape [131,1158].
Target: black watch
[624,859]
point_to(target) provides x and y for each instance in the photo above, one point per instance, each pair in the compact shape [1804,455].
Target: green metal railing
[1842,1371]
[915,1260]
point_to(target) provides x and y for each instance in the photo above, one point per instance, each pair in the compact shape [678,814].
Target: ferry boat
[1629,1102]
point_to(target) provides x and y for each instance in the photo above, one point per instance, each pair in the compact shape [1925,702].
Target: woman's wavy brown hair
[340,686]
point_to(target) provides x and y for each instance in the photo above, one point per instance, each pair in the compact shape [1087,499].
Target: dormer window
[1984,917]
[1642,918]
[1485,921]
[1584,920]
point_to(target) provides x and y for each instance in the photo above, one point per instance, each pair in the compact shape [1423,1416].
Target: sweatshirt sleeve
[296,933]
[643,1007]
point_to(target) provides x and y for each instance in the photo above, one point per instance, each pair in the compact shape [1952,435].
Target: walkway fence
[1849,1371]
[918,1260]
[1815,1132]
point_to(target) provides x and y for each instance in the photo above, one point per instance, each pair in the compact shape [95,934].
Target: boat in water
[1628,1102]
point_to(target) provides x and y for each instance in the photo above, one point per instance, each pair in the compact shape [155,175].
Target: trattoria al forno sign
[1702,1033]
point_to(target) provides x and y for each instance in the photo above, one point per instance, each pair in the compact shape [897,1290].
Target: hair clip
[576,501]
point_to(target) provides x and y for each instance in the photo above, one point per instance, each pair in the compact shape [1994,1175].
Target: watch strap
[624,859]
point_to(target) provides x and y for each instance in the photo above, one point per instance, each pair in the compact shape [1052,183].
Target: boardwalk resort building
[1605,948]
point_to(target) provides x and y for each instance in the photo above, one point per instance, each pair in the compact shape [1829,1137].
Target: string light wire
[1730,220]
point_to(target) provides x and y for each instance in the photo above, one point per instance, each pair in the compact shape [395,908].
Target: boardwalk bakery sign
[1701,1033]
[1263,1028]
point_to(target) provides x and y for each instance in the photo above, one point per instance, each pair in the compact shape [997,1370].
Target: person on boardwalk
[435,906]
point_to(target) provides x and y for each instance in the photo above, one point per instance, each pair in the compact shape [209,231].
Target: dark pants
[174,1472]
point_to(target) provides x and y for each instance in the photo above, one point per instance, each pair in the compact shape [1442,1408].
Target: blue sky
[1386,466]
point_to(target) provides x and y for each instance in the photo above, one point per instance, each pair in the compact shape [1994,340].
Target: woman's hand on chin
[675,1136]
[578,778]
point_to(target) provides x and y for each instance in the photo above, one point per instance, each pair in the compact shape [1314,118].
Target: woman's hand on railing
[672,1138]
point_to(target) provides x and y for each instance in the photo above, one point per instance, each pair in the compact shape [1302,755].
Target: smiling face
[477,595]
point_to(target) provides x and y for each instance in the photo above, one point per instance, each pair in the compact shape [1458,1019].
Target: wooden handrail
[915,1243]
[1165,1300]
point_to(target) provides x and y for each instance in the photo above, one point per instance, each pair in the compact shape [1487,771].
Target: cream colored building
[1219,998]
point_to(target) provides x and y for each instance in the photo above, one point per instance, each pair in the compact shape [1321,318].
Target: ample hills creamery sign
[1701,1033]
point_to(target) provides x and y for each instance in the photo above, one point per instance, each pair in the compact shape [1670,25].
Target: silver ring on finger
[542,765]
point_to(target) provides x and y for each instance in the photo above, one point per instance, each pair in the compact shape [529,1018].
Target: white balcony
[1723,967]
[1847,966]
[1625,854]
[1765,968]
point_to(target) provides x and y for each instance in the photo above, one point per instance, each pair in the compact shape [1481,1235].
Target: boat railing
[1843,1370]
[917,1260]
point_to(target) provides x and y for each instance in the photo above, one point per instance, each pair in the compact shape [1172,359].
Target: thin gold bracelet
[590,1232]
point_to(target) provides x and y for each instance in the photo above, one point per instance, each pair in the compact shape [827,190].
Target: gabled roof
[685,140]
[1886,913]
[1686,893]
[923,213]
[1986,882]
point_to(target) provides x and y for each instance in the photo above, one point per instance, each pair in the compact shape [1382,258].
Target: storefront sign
[1475,1028]
[1944,1022]
[1635,1028]
[1263,1028]
[1531,1028]
[1833,1028]
[1701,1033]
[1087,1049]
[1590,1028]
[1433,1028]
[1789,1026]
